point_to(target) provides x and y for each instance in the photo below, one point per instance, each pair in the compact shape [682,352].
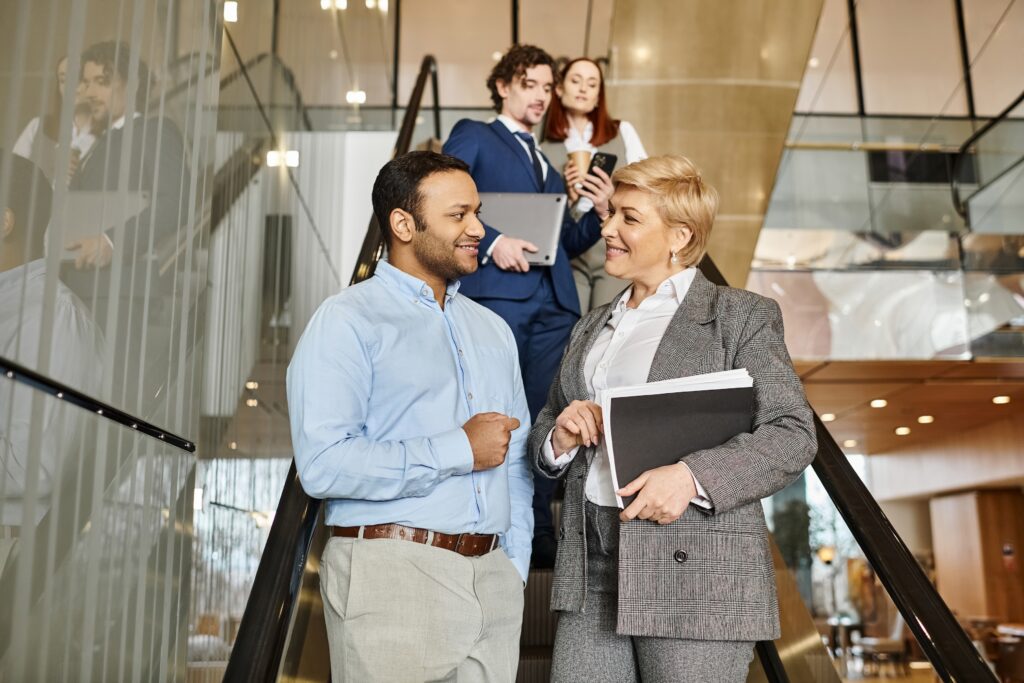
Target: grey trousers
[398,611]
[588,649]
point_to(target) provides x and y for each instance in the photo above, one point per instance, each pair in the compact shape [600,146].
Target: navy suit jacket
[498,163]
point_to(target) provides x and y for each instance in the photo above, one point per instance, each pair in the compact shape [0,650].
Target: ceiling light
[850,443]
[828,417]
[325,4]
[273,158]
[879,403]
[496,56]
[291,158]
[355,96]
[370,4]
[902,431]
[1000,400]
[926,419]
[197,499]
[251,402]
[382,5]
[231,11]
[340,4]
[813,62]
[252,385]
[233,445]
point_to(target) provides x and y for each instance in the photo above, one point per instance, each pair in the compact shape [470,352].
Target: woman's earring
[675,259]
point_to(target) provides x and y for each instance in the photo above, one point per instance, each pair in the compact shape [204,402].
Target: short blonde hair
[681,195]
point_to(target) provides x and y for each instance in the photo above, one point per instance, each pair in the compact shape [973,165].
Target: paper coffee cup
[581,159]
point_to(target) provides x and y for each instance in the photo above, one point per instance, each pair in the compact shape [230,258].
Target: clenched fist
[489,435]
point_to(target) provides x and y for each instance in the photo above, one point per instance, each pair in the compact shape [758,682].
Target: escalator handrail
[263,631]
[937,630]
[960,204]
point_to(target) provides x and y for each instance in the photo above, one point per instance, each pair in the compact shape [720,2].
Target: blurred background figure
[578,126]
[66,344]
[38,141]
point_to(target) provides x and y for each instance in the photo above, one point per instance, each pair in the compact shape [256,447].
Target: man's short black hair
[513,65]
[398,185]
[29,197]
[115,58]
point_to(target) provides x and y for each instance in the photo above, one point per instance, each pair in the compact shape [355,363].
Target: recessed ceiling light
[252,385]
[828,417]
[231,11]
[233,445]
[251,402]
[1000,400]
[902,431]
[879,403]
[850,443]
[926,419]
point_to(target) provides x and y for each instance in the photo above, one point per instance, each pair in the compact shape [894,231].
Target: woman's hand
[579,425]
[573,177]
[664,494]
[598,187]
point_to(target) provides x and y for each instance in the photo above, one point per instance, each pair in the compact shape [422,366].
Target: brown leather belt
[470,545]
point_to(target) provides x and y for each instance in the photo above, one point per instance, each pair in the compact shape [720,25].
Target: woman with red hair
[578,121]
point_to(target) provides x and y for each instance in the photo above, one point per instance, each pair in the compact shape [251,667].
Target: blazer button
[680,556]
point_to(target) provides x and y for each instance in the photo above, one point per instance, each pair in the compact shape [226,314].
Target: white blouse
[622,356]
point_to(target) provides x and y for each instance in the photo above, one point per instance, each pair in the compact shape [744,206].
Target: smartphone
[603,161]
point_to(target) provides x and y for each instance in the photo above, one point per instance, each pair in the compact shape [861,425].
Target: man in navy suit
[539,303]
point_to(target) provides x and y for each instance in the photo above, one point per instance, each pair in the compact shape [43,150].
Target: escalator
[902,623]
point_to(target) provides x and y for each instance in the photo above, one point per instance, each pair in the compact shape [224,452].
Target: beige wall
[986,456]
[912,521]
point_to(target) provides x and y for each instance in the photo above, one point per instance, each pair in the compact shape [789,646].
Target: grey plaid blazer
[725,587]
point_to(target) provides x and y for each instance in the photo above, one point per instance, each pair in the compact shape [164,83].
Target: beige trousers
[398,611]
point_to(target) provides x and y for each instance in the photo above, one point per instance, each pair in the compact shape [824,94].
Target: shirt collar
[119,124]
[676,286]
[514,127]
[410,285]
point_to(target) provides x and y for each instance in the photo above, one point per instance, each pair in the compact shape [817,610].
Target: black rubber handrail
[959,203]
[263,631]
[937,630]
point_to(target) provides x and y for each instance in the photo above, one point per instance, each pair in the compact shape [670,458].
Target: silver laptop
[527,216]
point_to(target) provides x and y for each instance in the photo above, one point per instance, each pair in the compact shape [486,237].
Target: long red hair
[605,127]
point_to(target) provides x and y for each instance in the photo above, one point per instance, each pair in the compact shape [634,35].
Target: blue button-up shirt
[380,385]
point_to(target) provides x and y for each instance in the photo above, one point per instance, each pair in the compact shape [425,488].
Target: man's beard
[437,256]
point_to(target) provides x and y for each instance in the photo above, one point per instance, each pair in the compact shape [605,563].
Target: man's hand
[94,252]
[580,424]
[664,494]
[508,254]
[599,188]
[489,435]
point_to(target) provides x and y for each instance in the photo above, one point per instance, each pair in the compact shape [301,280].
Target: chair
[881,655]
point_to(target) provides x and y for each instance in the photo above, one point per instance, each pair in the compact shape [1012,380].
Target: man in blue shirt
[409,417]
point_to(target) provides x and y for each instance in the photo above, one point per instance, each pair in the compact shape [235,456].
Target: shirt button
[470,396]
[460,352]
[478,490]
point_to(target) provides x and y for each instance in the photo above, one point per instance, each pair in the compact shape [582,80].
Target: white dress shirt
[622,356]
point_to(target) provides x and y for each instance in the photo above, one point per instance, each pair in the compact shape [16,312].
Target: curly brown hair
[513,65]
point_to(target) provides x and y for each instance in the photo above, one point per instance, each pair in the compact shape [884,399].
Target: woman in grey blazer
[680,584]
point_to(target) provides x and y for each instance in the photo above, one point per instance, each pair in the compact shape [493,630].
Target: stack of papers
[651,425]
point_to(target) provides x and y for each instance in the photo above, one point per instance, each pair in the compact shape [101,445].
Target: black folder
[660,429]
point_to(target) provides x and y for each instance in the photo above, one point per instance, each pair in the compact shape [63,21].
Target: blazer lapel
[575,363]
[688,346]
[524,158]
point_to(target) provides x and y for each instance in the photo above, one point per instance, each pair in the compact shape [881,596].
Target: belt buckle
[458,543]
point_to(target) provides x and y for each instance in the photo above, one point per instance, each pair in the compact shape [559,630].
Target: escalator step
[538,620]
[534,665]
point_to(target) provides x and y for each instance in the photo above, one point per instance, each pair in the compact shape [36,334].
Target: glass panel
[464,57]
[829,83]
[101,281]
[910,42]
[95,545]
[995,32]
[874,314]
[856,619]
